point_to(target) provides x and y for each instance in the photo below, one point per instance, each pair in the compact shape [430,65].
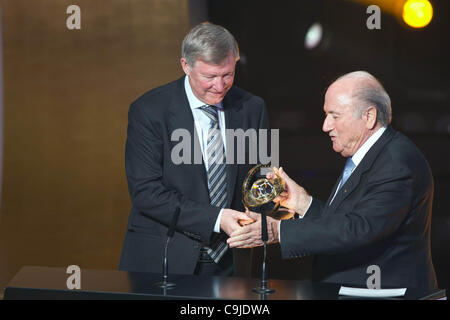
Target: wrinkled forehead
[344,99]
[339,96]
[213,60]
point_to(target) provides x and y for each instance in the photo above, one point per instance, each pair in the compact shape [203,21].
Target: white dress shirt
[361,152]
[202,124]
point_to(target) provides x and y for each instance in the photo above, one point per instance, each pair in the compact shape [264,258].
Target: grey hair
[210,43]
[370,92]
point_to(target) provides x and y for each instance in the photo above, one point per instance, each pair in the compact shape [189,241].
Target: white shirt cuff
[217,225]
[309,205]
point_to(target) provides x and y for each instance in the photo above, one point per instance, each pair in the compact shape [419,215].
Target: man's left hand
[249,236]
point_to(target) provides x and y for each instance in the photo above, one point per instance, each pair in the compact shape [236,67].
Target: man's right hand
[295,197]
[231,219]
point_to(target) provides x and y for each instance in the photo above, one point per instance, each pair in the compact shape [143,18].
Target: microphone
[164,283]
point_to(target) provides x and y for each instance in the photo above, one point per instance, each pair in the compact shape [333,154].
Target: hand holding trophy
[257,193]
[278,197]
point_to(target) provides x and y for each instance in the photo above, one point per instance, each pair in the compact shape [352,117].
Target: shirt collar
[194,102]
[361,152]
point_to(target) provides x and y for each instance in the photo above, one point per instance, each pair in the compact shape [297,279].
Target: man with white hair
[379,212]
[205,103]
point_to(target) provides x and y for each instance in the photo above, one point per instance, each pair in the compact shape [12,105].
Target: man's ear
[185,66]
[370,117]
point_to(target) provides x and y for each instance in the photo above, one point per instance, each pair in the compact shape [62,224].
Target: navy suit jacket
[158,186]
[380,216]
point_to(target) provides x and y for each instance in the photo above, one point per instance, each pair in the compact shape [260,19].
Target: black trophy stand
[263,289]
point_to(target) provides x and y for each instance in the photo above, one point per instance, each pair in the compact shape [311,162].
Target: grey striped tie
[217,178]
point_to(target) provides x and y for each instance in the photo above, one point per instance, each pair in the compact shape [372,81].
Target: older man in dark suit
[379,212]
[202,104]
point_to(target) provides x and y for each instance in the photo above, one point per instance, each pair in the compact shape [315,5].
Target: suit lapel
[366,163]
[334,191]
[180,117]
[233,120]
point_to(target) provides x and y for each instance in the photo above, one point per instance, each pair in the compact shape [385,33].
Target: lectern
[51,283]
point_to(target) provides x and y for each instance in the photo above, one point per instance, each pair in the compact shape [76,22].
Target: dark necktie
[349,166]
[217,182]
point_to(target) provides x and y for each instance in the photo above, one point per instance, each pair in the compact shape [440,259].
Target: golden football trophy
[255,194]
[258,192]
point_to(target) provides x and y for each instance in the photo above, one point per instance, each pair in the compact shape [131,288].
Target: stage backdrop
[67,94]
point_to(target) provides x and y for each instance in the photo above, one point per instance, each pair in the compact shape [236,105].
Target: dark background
[412,64]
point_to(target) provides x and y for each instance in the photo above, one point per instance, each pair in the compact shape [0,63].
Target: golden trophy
[257,193]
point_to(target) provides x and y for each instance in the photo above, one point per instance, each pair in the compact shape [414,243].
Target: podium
[51,283]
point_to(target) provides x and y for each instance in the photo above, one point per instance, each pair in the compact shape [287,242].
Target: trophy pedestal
[262,289]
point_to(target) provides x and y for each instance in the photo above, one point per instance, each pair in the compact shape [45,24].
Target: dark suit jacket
[157,186]
[380,216]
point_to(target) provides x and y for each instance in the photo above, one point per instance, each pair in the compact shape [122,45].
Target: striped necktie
[217,182]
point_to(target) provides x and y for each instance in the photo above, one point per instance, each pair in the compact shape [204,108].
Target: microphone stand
[263,289]
[164,283]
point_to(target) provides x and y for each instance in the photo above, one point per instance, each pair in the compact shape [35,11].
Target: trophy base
[262,290]
[165,285]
